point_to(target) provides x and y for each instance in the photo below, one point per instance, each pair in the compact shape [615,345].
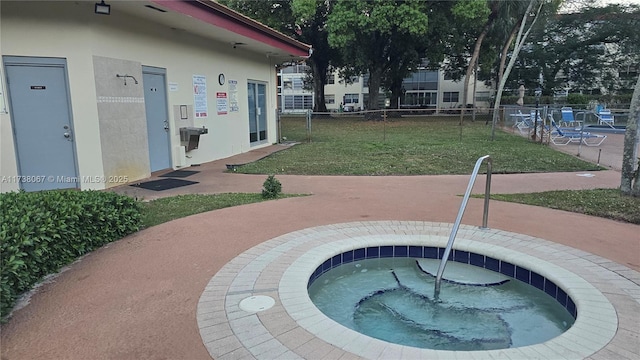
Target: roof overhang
[209,19]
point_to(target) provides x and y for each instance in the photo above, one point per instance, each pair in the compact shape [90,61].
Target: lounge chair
[605,117]
[560,136]
[523,122]
[567,118]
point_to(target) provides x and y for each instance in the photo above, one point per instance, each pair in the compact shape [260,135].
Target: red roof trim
[221,16]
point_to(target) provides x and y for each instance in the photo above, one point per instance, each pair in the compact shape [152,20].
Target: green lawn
[606,203]
[166,209]
[414,146]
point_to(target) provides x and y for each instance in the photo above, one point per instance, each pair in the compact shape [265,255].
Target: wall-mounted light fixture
[102,8]
[125,76]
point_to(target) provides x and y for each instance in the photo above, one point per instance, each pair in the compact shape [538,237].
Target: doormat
[179,173]
[164,184]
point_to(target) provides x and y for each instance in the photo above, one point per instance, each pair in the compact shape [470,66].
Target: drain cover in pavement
[257,303]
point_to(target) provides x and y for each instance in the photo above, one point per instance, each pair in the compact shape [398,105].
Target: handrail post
[463,207]
[487,193]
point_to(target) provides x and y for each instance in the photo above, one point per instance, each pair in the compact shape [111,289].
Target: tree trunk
[396,93]
[520,39]
[375,79]
[505,49]
[503,59]
[319,81]
[470,67]
[630,183]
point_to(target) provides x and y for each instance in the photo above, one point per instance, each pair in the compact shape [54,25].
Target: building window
[351,98]
[450,96]
[307,102]
[298,102]
[298,84]
[329,99]
[420,99]
[331,79]
[422,79]
[482,96]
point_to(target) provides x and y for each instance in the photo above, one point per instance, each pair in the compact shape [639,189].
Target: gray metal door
[41,120]
[155,100]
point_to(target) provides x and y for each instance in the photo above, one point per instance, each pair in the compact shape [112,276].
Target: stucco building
[92,100]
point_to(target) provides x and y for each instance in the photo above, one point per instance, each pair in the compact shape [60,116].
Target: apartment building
[423,89]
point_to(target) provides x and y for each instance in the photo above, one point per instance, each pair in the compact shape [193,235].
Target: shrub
[271,188]
[577,99]
[42,231]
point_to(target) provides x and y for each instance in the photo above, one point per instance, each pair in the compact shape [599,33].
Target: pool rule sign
[222,103]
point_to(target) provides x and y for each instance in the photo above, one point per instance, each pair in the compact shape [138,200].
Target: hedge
[40,232]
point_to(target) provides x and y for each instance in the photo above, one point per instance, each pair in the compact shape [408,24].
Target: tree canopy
[367,34]
[587,51]
[388,39]
[304,20]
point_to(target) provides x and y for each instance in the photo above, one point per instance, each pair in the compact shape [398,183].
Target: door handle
[67,133]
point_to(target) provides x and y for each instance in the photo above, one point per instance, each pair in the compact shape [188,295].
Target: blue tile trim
[476,260]
[492,264]
[461,256]
[537,280]
[508,269]
[347,257]
[373,252]
[386,251]
[416,251]
[401,251]
[428,252]
[336,261]
[562,297]
[523,274]
[571,307]
[550,288]
[326,266]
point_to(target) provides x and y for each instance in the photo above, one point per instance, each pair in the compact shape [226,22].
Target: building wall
[96,48]
[339,89]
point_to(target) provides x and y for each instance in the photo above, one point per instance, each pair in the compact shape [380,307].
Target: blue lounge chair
[568,119]
[605,117]
[560,136]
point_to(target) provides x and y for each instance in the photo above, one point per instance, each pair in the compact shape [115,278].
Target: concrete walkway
[136,298]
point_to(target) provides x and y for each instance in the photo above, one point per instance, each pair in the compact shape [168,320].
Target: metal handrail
[463,206]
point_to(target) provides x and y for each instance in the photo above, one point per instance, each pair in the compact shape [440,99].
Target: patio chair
[568,119]
[533,116]
[522,122]
[605,117]
[560,136]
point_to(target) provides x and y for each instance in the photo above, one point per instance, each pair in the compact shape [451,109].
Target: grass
[605,203]
[166,209]
[408,146]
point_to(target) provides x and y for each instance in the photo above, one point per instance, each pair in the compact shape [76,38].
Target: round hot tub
[387,292]
[290,325]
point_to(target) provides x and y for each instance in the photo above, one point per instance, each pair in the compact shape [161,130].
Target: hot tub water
[392,299]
